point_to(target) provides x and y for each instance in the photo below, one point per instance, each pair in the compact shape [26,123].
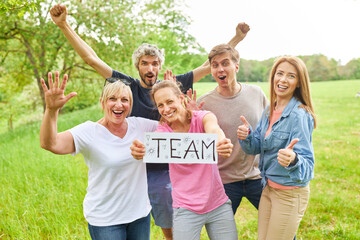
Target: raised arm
[241,30]
[50,139]
[224,146]
[58,15]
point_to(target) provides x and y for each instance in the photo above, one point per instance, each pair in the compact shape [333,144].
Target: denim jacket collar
[287,110]
[290,106]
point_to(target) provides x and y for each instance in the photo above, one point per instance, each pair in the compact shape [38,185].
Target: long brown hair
[175,87]
[302,93]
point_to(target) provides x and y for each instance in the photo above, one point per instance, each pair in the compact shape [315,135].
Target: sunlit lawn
[41,194]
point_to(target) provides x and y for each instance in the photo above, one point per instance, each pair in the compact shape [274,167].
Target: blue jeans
[159,189]
[136,230]
[251,189]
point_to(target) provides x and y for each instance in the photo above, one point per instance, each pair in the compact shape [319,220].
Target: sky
[280,27]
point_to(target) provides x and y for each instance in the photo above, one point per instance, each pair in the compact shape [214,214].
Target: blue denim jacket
[294,122]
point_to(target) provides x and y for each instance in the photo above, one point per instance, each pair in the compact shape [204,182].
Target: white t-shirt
[117,191]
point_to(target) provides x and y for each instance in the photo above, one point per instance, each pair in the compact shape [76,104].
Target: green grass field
[41,193]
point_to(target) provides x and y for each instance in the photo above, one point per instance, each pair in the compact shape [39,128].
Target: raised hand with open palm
[54,94]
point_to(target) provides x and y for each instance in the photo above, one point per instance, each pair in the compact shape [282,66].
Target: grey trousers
[219,223]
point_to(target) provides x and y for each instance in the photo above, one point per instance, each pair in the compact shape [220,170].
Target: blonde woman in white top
[116,205]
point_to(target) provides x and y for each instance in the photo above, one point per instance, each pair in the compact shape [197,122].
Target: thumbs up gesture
[243,130]
[287,155]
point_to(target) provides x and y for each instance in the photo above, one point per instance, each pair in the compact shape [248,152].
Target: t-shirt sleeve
[83,135]
[116,74]
[197,122]
[186,80]
[147,125]
[162,128]
[201,114]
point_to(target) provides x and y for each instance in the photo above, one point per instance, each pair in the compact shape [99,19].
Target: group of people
[264,147]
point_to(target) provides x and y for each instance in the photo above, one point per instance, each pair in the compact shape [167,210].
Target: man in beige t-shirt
[228,101]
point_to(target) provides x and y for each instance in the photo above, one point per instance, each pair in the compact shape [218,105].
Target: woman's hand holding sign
[137,149]
[224,148]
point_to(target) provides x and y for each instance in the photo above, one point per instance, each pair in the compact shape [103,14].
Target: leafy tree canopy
[31,45]
[17,6]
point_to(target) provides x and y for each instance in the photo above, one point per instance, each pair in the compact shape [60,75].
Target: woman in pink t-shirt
[198,194]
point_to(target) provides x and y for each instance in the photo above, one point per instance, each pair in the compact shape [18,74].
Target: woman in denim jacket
[283,137]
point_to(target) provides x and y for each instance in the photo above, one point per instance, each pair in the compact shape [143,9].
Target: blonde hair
[302,93]
[115,89]
[175,88]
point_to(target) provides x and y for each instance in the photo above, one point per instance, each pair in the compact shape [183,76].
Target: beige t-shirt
[249,102]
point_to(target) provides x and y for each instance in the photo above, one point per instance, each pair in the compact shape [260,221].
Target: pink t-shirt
[196,187]
[275,116]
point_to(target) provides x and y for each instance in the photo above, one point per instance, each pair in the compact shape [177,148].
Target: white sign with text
[180,148]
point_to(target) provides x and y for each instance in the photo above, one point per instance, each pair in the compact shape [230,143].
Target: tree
[254,71]
[320,68]
[168,30]
[32,45]
[352,69]
[17,6]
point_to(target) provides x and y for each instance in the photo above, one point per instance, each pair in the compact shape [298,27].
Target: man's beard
[150,84]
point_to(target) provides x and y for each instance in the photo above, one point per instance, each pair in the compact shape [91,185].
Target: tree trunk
[10,123]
